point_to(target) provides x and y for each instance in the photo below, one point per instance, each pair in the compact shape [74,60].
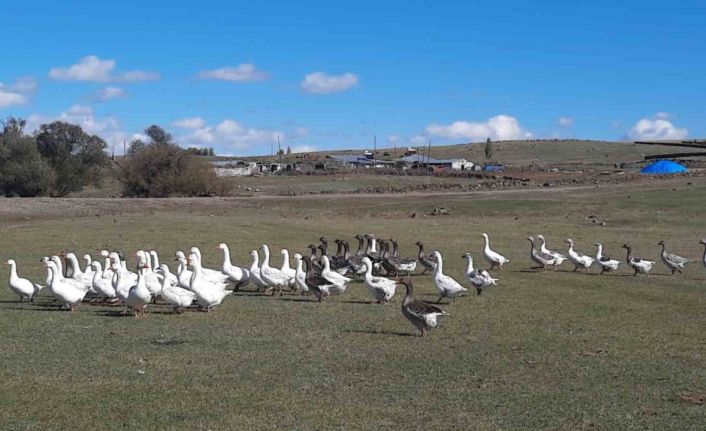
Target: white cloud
[657,128]
[230,135]
[17,93]
[418,140]
[246,72]
[498,128]
[566,122]
[322,83]
[304,149]
[107,93]
[137,76]
[189,123]
[92,68]
[393,139]
[11,98]
[300,132]
[108,127]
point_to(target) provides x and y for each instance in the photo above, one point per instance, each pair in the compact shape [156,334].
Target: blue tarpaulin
[664,167]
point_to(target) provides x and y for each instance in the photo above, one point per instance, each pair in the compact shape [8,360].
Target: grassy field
[555,350]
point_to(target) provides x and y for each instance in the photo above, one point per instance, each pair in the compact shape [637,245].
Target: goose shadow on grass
[295,299]
[380,332]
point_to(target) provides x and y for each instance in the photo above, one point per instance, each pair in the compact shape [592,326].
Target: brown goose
[340,266]
[422,315]
[403,265]
[317,284]
[315,262]
[428,262]
[356,261]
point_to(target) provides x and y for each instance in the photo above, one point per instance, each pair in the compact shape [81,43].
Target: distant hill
[567,152]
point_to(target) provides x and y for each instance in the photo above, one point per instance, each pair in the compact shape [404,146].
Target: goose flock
[376,262]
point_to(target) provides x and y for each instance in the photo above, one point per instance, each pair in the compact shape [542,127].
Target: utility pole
[279,150]
[375,145]
[429,156]
[124,148]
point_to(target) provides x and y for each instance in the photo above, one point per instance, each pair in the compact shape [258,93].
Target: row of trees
[57,159]
[60,158]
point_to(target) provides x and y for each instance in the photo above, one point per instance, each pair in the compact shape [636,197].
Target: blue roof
[664,167]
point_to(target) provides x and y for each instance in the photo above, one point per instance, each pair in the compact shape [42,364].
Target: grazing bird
[420,314]
[579,260]
[606,263]
[674,262]
[559,258]
[447,286]
[428,262]
[479,278]
[638,265]
[22,287]
[495,259]
[541,259]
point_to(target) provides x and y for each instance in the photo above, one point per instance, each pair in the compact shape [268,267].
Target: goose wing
[422,308]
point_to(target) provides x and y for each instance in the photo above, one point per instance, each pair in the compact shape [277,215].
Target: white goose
[208,293]
[68,293]
[333,276]
[446,285]
[88,270]
[496,260]
[175,296]
[153,281]
[274,278]
[211,275]
[606,263]
[139,296]
[558,257]
[299,274]
[122,282]
[24,288]
[107,270]
[703,259]
[240,276]
[579,260]
[286,269]
[479,278]
[102,286]
[77,274]
[157,268]
[58,275]
[255,271]
[382,289]
[183,272]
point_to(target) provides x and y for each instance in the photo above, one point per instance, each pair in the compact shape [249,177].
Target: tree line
[60,158]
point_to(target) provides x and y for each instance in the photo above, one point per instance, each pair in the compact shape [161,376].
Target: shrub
[160,168]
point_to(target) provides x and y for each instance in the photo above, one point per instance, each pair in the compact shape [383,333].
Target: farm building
[417,160]
[365,161]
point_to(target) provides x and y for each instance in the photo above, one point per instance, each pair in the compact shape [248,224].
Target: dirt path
[20,209]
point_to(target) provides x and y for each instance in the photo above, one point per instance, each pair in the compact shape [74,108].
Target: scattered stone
[440,211]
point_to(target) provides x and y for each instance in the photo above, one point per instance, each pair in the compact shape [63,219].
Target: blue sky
[234,75]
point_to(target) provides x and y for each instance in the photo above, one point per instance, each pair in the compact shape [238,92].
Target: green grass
[541,351]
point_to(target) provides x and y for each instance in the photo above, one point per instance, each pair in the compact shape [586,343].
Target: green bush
[160,168]
[23,172]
